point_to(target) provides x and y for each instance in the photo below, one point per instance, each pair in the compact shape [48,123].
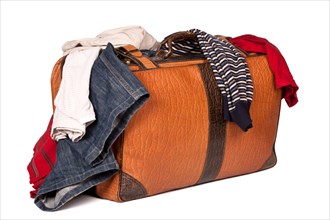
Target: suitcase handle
[131,53]
[177,36]
[183,35]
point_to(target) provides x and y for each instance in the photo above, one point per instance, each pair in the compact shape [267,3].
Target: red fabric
[43,160]
[280,69]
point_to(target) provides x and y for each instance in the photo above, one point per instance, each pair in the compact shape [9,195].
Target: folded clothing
[116,95]
[134,35]
[74,111]
[43,160]
[277,63]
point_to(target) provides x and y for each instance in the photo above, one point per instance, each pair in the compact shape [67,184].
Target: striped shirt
[230,70]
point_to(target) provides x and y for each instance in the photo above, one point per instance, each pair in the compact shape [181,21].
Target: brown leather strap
[243,52]
[129,51]
[217,127]
[132,50]
[185,35]
[177,36]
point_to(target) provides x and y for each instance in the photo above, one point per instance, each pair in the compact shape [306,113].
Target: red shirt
[43,160]
[277,63]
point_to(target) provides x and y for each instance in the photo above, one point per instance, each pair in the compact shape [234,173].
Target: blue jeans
[116,94]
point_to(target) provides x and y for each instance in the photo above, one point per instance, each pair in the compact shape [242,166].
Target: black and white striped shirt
[230,70]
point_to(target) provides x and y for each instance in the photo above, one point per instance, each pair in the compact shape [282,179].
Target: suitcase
[179,137]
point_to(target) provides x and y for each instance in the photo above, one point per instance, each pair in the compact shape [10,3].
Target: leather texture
[181,35]
[178,138]
[182,63]
[109,189]
[154,150]
[246,152]
[136,56]
[272,160]
[130,188]
[217,127]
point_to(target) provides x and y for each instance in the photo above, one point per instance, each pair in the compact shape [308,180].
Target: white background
[32,34]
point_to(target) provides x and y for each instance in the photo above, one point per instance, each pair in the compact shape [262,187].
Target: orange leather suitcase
[179,138]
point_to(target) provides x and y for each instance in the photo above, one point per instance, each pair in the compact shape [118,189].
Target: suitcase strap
[186,35]
[133,54]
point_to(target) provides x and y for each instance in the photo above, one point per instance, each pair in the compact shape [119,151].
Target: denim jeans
[116,94]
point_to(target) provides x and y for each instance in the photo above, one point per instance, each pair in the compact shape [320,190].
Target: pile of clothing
[96,95]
